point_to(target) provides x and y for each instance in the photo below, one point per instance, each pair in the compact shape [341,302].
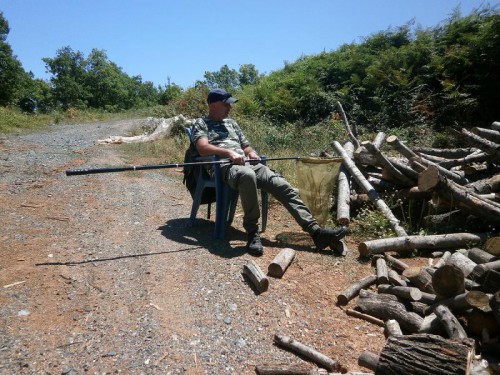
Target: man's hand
[253,158]
[236,158]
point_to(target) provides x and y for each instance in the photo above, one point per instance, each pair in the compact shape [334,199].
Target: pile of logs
[458,188]
[440,316]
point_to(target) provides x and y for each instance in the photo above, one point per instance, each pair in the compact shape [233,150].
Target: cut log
[430,179]
[420,278]
[308,352]
[459,260]
[368,360]
[479,271]
[432,242]
[442,261]
[374,196]
[495,125]
[281,262]
[423,354]
[480,256]
[490,134]
[392,328]
[479,322]
[450,322]
[395,279]
[491,283]
[384,309]
[486,186]
[448,281]
[462,302]
[344,190]
[492,246]
[382,271]
[253,272]
[396,263]
[405,292]
[353,290]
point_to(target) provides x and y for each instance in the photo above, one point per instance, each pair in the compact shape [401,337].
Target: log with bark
[281,262]
[258,279]
[450,323]
[490,134]
[420,278]
[431,179]
[448,281]
[353,290]
[424,354]
[344,190]
[479,272]
[431,242]
[487,146]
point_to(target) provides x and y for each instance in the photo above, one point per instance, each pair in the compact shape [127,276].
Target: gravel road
[99,274]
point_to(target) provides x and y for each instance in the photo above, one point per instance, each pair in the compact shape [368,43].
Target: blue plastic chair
[225,200]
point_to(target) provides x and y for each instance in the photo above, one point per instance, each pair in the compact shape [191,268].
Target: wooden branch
[395,279]
[308,352]
[284,370]
[374,196]
[379,140]
[432,242]
[425,354]
[353,136]
[256,276]
[353,290]
[366,317]
[450,322]
[395,262]
[281,262]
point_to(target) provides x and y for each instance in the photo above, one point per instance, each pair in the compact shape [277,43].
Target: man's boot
[254,246]
[325,237]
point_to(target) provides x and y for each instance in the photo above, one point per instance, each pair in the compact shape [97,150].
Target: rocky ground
[99,274]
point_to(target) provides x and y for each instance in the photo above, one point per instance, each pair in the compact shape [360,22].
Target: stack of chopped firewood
[437,318]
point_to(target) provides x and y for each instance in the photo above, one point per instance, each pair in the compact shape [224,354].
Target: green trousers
[247,179]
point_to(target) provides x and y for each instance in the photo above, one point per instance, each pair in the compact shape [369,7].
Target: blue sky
[181,40]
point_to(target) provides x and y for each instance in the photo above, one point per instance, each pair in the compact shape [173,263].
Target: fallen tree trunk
[432,242]
[374,196]
[423,354]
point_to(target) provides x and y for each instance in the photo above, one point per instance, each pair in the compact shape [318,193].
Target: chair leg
[265,207]
[196,205]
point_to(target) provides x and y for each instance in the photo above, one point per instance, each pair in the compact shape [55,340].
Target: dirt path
[99,274]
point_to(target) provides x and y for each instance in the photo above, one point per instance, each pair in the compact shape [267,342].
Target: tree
[68,71]
[12,74]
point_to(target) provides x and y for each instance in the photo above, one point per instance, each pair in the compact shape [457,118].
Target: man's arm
[204,148]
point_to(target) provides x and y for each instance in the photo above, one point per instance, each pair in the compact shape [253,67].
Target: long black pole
[75,172]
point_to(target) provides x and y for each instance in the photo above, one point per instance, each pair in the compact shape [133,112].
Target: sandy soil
[99,274]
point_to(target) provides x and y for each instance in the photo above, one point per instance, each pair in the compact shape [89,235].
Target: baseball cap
[216,95]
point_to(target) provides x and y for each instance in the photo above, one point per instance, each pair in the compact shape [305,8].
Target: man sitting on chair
[218,135]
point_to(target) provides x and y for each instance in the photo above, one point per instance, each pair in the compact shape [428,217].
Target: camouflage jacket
[225,133]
